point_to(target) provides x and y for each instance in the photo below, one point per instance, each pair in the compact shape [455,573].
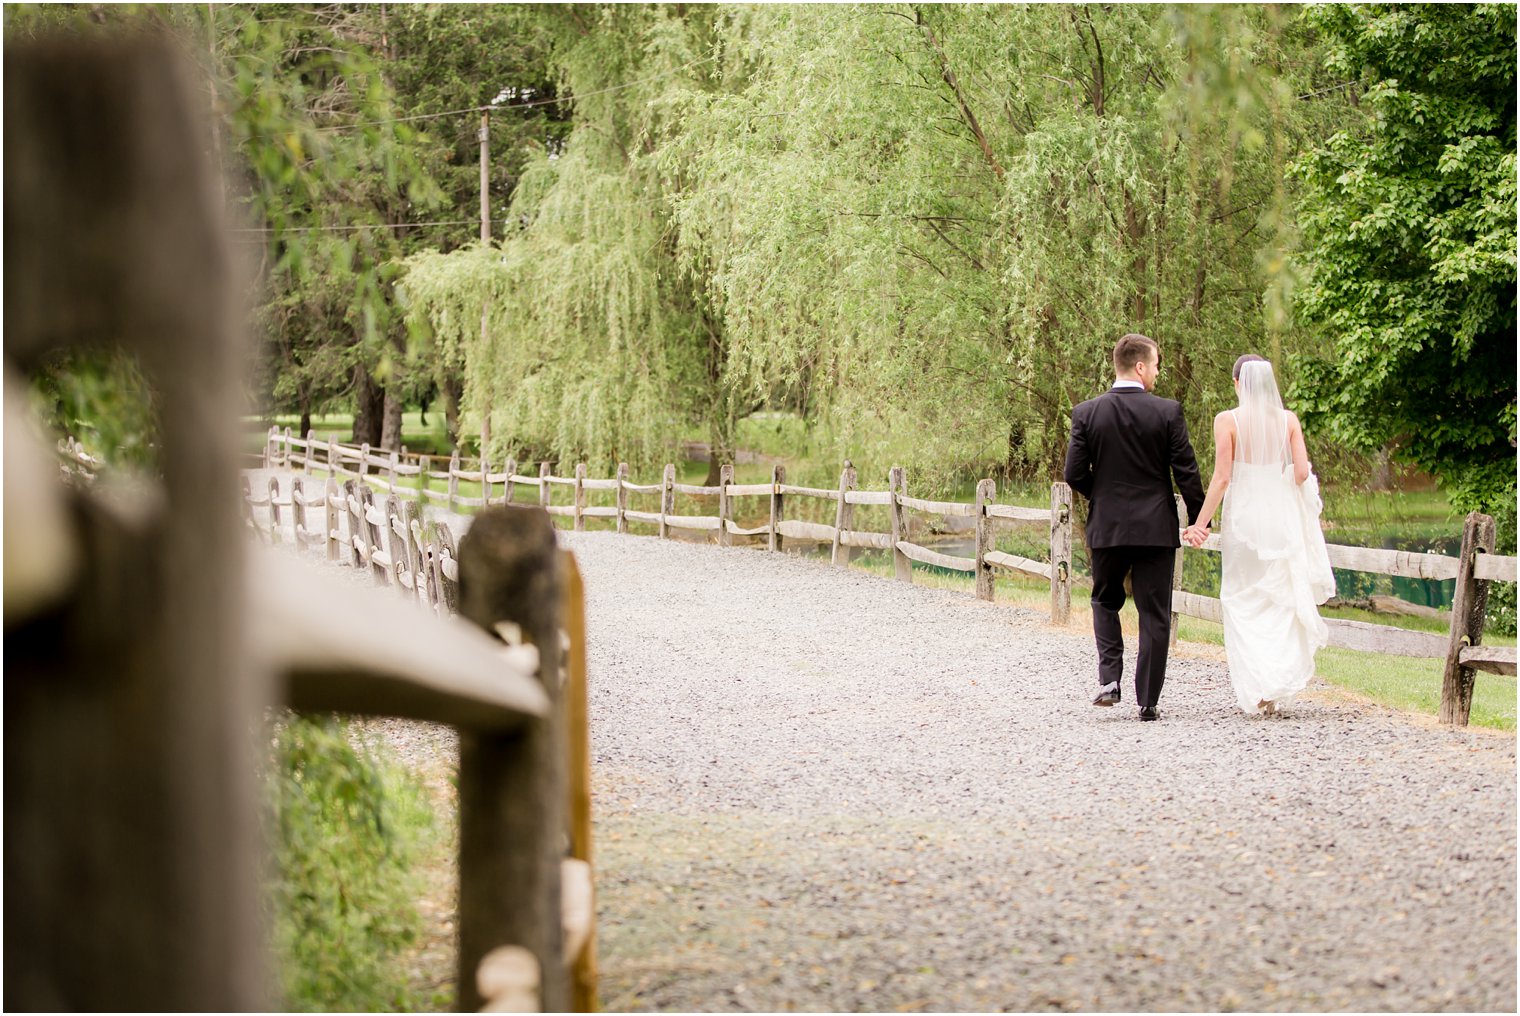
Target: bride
[1275,568]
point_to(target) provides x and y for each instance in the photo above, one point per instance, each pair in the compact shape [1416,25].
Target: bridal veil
[1275,566]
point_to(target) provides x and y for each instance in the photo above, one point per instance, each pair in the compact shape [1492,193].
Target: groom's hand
[1195,535]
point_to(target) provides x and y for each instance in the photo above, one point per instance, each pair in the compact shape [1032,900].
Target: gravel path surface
[822,789]
[818,789]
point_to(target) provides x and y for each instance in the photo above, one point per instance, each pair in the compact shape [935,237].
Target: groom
[1126,448]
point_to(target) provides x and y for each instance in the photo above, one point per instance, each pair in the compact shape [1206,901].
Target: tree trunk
[390,430]
[453,394]
[1016,464]
[305,407]
[1382,468]
[722,432]
[369,408]
[721,424]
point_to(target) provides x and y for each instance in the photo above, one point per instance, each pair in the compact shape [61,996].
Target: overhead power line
[362,225]
[488,108]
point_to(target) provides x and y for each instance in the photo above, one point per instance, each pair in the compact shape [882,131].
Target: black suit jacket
[1126,448]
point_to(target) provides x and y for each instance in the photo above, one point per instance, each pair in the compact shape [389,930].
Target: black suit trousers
[1150,571]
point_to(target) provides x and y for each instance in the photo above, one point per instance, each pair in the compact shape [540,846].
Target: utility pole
[485,239]
[485,192]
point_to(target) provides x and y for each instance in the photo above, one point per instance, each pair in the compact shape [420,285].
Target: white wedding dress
[1275,567]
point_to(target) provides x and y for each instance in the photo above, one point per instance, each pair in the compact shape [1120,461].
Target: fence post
[395,543]
[897,484]
[391,469]
[725,506]
[580,497]
[298,510]
[511,470]
[986,492]
[334,458]
[444,550]
[778,477]
[622,497]
[453,479]
[290,449]
[311,441]
[330,491]
[355,534]
[131,853]
[274,510]
[1182,521]
[485,481]
[667,498]
[577,726]
[1060,553]
[844,514]
[1469,606]
[512,786]
[358,529]
[247,505]
[544,487]
[412,522]
[269,440]
[373,531]
[364,460]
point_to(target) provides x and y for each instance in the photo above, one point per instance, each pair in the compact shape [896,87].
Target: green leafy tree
[927,224]
[1409,245]
[321,163]
[595,345]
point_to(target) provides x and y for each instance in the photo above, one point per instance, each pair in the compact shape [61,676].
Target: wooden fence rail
[389,538]
[282,449]
[1473,569]
[143,648]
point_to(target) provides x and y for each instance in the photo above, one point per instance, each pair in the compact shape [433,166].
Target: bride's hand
[1195,535]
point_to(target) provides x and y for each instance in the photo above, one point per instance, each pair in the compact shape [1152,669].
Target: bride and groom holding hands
[1127,448]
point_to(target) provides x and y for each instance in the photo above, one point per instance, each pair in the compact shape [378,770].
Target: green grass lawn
[1403,683]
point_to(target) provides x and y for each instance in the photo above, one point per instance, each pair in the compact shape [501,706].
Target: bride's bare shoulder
[1225,418]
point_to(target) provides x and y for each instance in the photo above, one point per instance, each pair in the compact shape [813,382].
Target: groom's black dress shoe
[1150,713]
[1107,695]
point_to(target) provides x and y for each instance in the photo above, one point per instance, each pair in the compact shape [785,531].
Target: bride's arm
[1224,458]
[1299,449]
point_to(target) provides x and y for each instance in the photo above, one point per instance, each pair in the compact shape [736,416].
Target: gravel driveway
[819,789]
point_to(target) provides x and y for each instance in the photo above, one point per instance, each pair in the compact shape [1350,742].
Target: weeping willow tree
[576,335]
[919,227]
[934,221]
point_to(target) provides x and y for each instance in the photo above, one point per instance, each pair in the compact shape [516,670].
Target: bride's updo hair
[1248,358]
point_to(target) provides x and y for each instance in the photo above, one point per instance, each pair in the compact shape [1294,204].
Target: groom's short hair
[1131,349]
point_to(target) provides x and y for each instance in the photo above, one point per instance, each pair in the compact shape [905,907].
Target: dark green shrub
[1501,595]
[348,831]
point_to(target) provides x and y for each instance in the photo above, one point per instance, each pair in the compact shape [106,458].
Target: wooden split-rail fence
[357,527]
[284,450]
[144,646]
[1474,568]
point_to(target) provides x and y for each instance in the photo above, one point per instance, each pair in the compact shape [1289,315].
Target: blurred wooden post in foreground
[577,727]
[131,872]
[512,799]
